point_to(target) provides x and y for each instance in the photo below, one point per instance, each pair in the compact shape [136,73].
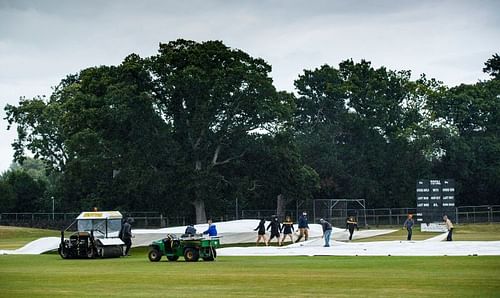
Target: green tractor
[192,248]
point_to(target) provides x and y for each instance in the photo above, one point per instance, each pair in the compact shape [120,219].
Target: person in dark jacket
[408,224]
[327,231]
[261,231]
[287,229]
[190,231]
[351,224]
[212,229]
[303,227]
[126,234]
[275,226]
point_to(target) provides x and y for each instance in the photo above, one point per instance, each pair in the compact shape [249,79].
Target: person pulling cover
[351,223]
[327,231]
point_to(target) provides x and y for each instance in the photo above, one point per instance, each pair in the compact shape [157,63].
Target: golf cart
[96,236]
[192,248]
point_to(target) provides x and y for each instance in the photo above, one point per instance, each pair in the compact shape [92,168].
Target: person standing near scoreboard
[449,226]
[408,224]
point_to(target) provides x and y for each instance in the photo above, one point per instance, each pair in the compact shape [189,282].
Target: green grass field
[48,275]
[16,237]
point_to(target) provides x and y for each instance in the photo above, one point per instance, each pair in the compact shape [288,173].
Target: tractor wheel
[191,254]
[154,255]
[63,253]
[172,258]
[90,253]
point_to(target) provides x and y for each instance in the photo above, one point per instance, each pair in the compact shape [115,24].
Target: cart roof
[100,215]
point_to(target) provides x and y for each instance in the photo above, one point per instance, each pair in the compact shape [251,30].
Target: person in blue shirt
[327,231]
[212,230]
[408,224]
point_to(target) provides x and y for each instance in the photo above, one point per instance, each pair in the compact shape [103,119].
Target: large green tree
[361,129]
[470,118]
[100,132]
[213,96]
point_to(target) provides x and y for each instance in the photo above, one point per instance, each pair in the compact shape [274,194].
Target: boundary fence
[374,217]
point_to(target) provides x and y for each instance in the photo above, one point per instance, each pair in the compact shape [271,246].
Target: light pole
[52,208]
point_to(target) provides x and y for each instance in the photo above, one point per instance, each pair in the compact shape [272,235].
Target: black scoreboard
[435,198]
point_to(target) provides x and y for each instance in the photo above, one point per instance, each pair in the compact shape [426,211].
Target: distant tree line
[199,125]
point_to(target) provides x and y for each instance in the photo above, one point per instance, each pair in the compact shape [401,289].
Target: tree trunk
[199,207]
[280,206]
[199,203]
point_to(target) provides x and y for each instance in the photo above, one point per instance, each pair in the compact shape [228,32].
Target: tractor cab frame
[96,236]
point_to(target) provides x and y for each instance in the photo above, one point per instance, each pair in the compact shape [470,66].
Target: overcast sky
[43,41]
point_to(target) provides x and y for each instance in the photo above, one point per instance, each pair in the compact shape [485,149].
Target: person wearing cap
[303,227]
[275,226]
[408,224]
[327,231]
[449,226]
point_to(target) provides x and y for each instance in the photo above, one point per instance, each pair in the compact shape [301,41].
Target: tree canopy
[199,125]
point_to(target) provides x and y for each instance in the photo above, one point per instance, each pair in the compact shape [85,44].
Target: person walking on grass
[275,226]
[408,224]
[327,231]
[287,229]
[261,231]
[126,234]
[449,226]
[303,227]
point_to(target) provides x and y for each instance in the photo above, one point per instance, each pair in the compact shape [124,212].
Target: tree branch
[216,157]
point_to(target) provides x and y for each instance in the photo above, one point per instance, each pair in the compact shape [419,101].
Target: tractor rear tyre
[154,255]
[172,258]
[63,253]
[191,254]
[90,253]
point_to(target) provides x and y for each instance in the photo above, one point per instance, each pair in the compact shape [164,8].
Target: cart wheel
[191,255]
[154,255]
[172,258]
[212,256]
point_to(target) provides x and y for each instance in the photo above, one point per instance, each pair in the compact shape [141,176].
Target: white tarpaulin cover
[242,231]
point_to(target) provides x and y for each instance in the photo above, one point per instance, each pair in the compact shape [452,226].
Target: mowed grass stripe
[49,276]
